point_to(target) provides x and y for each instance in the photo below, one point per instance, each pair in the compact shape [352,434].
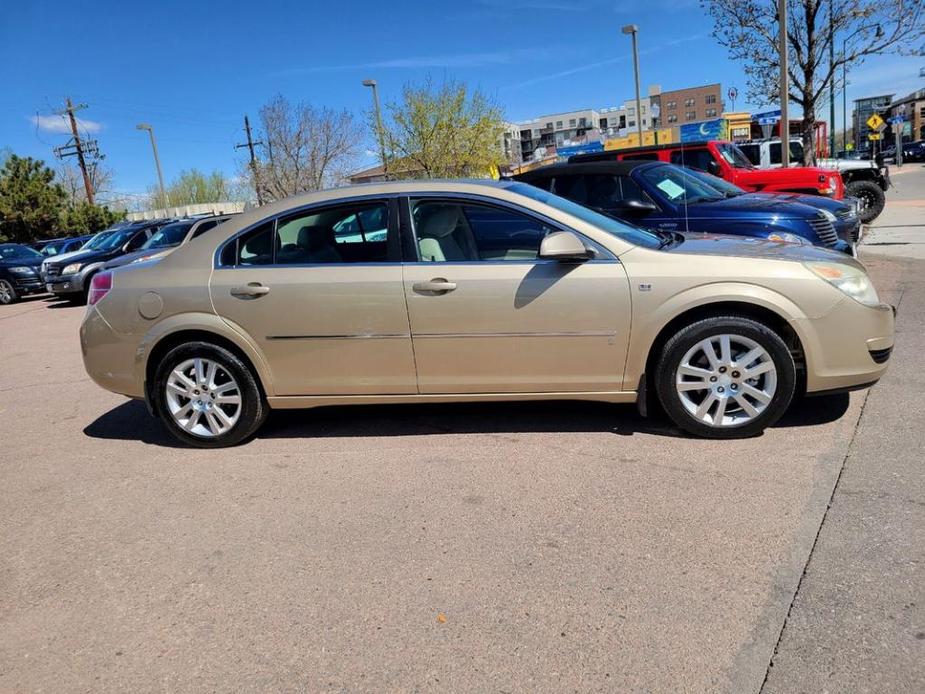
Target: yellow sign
[874,122]
[849,146]
[874,136]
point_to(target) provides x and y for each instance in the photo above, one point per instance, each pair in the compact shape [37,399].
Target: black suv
[19,272]
[70,277]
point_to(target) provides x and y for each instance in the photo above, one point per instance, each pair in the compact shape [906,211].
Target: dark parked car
[167,238]
[847,222]
[54,247]
[70,277]
[19,272]
[914,151]
[667,198]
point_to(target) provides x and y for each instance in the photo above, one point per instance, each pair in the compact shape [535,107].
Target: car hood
[84,257]
[21,263]
[757,204]
[751,247]
[816,201]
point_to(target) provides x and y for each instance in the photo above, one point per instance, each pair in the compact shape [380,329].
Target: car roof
[613,153]
[616,168]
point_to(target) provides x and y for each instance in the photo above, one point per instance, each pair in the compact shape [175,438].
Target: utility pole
[633,29]
[76,147]
[844,99]
[832,83]
[250,146]
[784,86]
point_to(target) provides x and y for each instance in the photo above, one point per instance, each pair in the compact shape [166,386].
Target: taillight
[100,286]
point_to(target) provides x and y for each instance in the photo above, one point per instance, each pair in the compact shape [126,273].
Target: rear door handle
[434,286]
[251,290]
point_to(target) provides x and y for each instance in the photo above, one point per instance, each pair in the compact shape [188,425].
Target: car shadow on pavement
[130,420]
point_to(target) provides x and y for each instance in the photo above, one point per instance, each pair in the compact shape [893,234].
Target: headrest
[441,222]
[312,236]
[259,244]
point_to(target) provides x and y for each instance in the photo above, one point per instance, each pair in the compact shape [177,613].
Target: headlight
[71,269]
[786,238]
[850,280]
[828,215]
[21,270]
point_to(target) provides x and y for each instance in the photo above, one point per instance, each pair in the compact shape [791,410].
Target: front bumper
[65,284]
[26,284]
[848,347]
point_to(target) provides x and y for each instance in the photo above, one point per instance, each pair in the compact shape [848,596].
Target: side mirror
[631,206]
[565,247]
[713,168]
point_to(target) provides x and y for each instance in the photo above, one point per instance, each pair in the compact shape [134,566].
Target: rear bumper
[847,348]
[109,357]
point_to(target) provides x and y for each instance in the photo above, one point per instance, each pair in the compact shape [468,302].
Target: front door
[320,292]
[489,316]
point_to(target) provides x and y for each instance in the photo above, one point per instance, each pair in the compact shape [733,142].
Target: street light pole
[784,86]
[832,83]
[380,135]
[157,162]
[632,30]
[844,98]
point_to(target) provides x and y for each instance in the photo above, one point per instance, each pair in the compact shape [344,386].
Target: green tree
[748,29]
[443,131]
[192,188]
[84,218]
[31,203]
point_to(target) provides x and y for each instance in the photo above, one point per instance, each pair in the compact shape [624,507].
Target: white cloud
[460,60]
[61,124]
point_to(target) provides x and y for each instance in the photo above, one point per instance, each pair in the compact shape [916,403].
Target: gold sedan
[477,291]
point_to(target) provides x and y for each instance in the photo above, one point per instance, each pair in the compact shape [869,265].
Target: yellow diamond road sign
[874,122]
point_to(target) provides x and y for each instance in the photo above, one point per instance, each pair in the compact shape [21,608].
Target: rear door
[320,291]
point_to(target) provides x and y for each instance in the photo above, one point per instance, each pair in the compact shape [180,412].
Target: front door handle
[434,286]
[251,290]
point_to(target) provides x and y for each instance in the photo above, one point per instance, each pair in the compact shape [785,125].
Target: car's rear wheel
[725,377]
[871,196]
[207,396]
[7,293]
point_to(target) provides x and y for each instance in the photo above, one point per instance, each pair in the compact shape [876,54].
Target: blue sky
[193,69]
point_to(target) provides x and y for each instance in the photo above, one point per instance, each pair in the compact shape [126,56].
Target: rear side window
[699,158]
[544,182]
[204,227]
[253,248]
[356,233]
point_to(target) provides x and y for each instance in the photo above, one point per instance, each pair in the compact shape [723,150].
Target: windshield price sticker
[671,189]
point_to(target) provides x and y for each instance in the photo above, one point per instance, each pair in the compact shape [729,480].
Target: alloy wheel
[203,398]
[726,380]
[6,292]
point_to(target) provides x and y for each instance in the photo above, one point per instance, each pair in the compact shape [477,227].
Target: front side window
[354,233]
[453,231]
[734,156]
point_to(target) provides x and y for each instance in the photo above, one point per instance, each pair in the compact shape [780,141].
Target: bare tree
[71,179]
[748,29]
[306,148]
[443,131]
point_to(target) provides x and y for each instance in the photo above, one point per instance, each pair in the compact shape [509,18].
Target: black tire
[687,338]
[871,196]
[253,406]
[8,293]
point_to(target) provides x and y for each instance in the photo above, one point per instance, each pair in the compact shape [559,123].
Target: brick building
[680,106]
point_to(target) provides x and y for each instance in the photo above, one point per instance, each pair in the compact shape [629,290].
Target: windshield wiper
[669,238]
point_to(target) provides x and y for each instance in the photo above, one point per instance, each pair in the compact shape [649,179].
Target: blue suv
[665,197]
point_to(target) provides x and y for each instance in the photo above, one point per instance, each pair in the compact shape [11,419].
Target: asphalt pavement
[507,548]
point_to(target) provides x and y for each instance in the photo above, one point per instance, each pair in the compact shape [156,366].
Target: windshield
[730,190]
[96,241]
[734,156]
[623,231]
[116,239]
[679,186]
[13,251]
[170,235]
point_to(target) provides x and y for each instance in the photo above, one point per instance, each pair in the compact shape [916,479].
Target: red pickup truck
[726,160]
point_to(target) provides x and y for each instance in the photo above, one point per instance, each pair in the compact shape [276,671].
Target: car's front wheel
[871,196]
[7,292]
[725,377]
[207,396]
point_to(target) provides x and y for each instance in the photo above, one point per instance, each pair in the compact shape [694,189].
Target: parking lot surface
[529,547]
